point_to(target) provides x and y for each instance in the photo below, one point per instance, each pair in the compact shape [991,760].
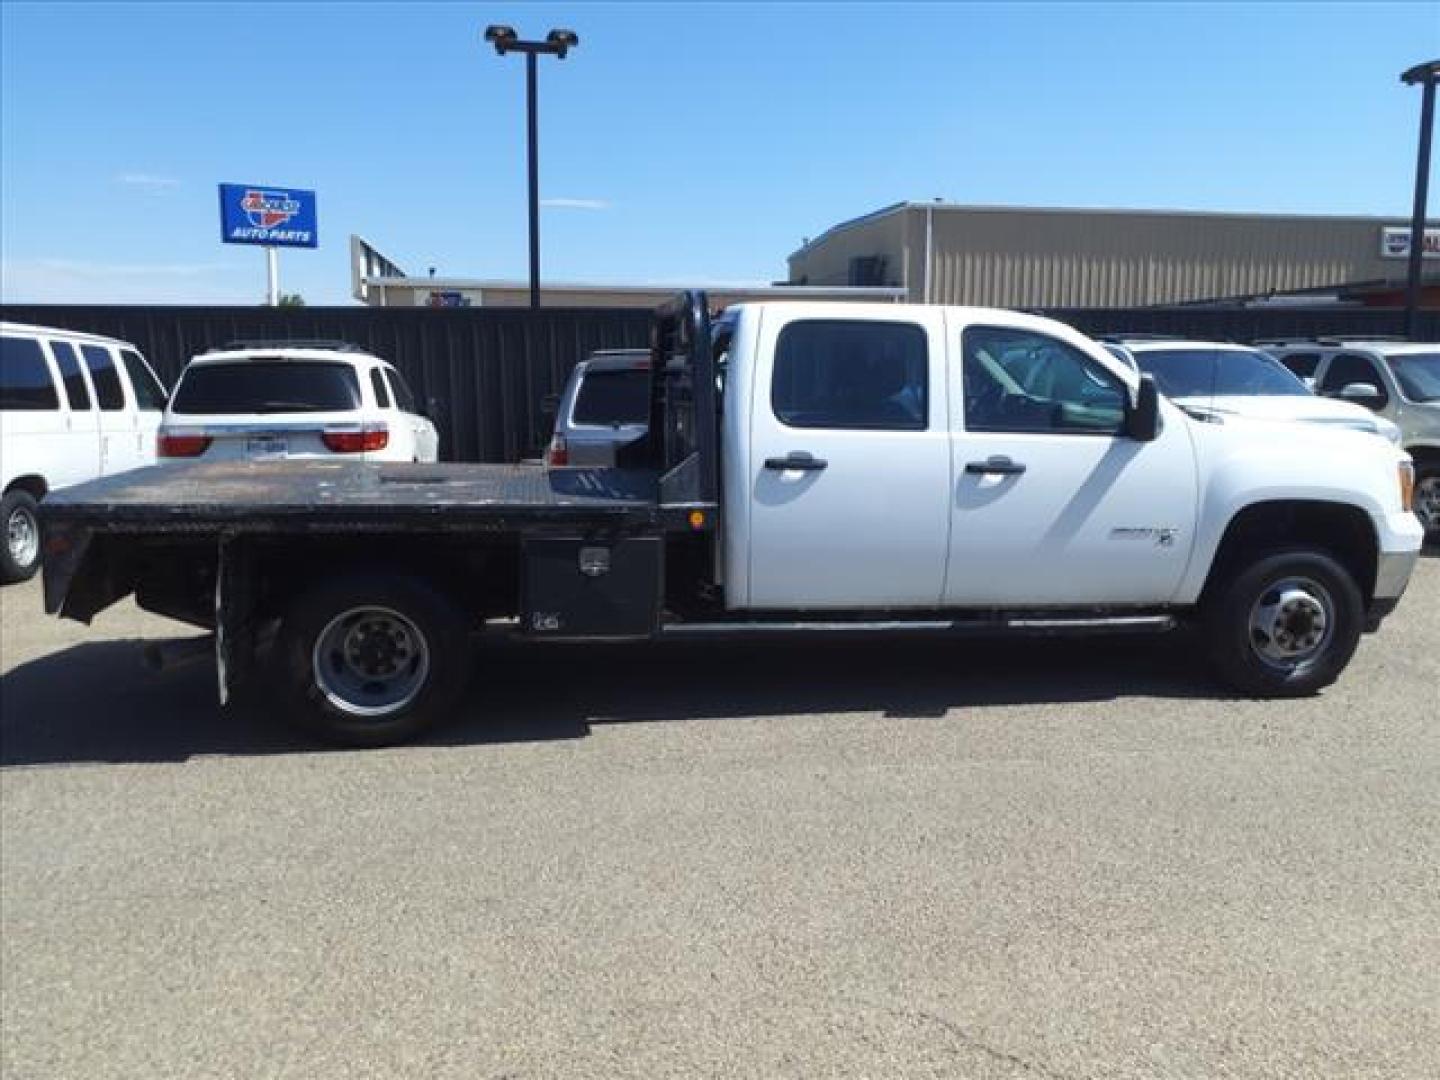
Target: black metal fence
[489,369]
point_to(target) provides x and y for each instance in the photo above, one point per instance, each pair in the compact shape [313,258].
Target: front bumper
[1401,538]
[1392,573]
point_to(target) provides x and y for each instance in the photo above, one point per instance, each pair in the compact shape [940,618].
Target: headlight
[1407,485]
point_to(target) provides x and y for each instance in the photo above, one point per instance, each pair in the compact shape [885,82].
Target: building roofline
[1114,211]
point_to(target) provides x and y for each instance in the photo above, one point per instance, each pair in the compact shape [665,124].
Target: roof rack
[1330,340]
[290,343]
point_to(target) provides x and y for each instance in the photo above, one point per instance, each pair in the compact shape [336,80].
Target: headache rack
[682,441]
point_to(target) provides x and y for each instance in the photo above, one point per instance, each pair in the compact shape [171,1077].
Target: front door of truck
[849,462]
[1053,505]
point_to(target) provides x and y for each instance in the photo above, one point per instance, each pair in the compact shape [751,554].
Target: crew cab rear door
[849,459]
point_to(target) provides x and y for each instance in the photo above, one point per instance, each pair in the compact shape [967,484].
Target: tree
[291,299]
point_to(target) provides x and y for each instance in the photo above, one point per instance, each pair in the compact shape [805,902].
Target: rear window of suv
[267,386]
[613,397]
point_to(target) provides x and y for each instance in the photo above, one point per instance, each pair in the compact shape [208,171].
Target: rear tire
[373,659]
[19,537]
[1284,624]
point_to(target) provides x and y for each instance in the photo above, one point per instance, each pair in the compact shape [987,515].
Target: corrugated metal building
[1028,257]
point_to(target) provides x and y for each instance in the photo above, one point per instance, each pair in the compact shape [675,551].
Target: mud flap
[234,615]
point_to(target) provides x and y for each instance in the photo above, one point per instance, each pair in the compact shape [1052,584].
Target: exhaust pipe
[160,656]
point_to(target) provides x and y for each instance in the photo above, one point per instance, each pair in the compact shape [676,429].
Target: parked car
[605,405]
[73,406]
[1236,380]
[1399,381]
[272,400]
[861,469]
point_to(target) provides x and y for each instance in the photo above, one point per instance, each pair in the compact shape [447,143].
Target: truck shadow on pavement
[95,703]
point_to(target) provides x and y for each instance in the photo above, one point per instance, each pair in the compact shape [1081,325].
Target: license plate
[266,447]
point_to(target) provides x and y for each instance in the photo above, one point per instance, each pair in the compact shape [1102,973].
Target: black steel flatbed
[269,497]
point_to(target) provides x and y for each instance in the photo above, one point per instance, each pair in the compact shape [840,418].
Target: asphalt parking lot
[909,859]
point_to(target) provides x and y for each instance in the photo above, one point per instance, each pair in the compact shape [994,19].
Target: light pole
[557,43]
[1425,74]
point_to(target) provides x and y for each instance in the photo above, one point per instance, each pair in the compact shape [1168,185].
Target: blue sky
[693,144]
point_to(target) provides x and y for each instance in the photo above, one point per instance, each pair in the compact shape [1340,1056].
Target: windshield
[266,386]
[1183,373]
[613,397]
[1418,375]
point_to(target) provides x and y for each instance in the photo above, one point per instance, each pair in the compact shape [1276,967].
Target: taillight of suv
[180,444]
[356,440]
[558,452]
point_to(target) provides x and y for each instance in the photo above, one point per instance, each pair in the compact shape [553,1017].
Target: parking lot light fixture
[1424,75]
[557,43]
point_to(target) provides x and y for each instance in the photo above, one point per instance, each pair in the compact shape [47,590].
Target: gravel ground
[963,860]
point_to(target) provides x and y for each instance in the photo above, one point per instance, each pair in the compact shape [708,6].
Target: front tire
[1285,624]
[373,660]
[1427,500]
[20,541]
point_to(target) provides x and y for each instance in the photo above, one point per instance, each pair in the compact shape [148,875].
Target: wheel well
[1425,455]
[35,485]
[1343,531]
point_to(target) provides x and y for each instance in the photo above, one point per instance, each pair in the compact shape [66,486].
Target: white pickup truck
[841,468]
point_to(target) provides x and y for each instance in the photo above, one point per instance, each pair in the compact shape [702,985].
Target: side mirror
[1142,418]
[1362,394]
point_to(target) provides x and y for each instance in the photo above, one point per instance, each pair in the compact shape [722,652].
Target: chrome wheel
[22,536]
[371,662]
[1427,502]
[1292,623]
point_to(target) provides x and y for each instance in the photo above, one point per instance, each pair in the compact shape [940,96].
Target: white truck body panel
[894,520]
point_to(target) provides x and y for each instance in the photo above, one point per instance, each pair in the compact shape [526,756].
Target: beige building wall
[1007,257]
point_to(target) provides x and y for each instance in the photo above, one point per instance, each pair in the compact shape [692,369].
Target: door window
[106,379]
[404,398]
[837,373]
[377,384]
[76,392]
[148,391]
[1023,381]
[1303,364]
[25,381]
[1347,368]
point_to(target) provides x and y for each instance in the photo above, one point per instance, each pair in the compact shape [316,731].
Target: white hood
[1311,409]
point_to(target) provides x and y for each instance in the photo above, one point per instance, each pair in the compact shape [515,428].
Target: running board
[1049,624]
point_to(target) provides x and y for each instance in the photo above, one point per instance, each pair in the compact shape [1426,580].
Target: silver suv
[605,405]
[1398,380]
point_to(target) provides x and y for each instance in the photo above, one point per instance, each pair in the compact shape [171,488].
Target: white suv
[73,406]
[266,401]
[1398,381]
[1236,380]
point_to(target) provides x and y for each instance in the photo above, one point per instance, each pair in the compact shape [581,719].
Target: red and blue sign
[270,216]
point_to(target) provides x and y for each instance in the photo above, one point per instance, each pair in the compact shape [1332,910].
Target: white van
[73,407]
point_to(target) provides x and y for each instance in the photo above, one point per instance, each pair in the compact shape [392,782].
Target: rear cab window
[613,398]
[266,386]
[851,374]
[25,381]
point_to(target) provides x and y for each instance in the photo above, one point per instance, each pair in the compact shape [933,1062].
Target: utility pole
[1425,74]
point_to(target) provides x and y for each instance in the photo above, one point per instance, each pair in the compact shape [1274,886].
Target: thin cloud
[78,281]
[576,204]
[151,182]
